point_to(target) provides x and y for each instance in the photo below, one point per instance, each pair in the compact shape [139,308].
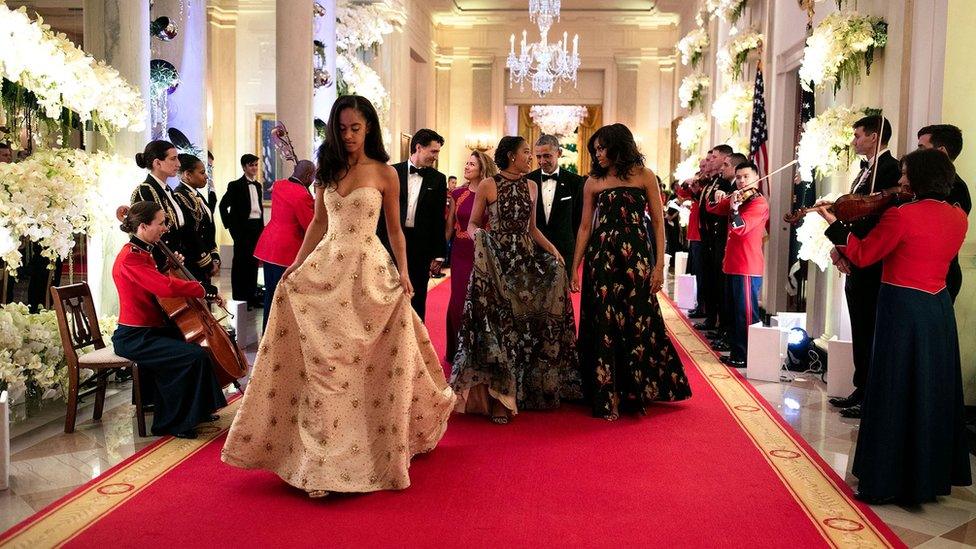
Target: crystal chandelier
[542,63]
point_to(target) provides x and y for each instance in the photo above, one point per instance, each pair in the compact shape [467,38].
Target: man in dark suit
[879,172]
[948,139]
[714,229]
[423,193]
[242,212]
[559,207]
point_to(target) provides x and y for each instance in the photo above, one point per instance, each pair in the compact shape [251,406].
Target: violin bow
[877,150]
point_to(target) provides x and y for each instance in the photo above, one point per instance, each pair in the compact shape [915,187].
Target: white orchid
[690,131]
[814,244]
[687,168]
[838,46]
[825,145]
[732,57]
[61,75]
[692,46]
[733,108]
[727,10]
[691,92]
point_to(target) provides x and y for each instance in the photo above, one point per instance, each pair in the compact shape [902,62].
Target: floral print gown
[517,335]
[625,351]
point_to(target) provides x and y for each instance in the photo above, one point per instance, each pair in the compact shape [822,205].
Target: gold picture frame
[405,146]
[264,122]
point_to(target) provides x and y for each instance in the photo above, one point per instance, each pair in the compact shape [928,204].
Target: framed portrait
[405,146]
[267,156]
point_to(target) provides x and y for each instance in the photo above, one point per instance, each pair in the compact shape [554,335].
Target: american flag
[760,132]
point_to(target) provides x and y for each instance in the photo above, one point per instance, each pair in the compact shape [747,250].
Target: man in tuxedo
[713,229]
[423,194]
[559,206]
[242,212]
[948,139]
[880,171]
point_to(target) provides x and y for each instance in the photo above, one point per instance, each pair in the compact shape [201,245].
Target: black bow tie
[549,177]
[414,169]
[865,164]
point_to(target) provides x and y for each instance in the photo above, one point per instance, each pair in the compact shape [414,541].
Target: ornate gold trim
[832,512]
[59,525]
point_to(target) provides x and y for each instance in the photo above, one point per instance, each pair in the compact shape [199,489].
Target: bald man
[291,212]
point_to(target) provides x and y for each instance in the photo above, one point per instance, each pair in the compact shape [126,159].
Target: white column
[116,31]
[293,70]
[188,53]
[324,31]
[222,101]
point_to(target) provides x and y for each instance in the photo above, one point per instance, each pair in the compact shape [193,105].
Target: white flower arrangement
[733,108]
[360,79]
[53,195]
[692,46]
[825,144]
[732,57]
[727,10]
[687,168]
[837,48]
[363,26]
[60,75]
[691,92]
[558,120]
[690,131]
[814,244]
[31,354]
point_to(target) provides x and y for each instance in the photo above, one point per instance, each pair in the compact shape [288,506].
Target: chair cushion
[103,358]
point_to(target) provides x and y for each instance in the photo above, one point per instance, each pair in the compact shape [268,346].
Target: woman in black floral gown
[516,344]
[626,357]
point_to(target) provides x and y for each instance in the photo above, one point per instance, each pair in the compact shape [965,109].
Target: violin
[852,207]
[197,324]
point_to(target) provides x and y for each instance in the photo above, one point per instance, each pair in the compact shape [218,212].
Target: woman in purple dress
[479,166]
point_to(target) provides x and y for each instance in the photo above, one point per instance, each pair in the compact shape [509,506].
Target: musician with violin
[911,446]
[879,172]
[748,212]
[186,390]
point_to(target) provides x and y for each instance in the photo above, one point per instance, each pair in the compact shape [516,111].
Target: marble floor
[46,463]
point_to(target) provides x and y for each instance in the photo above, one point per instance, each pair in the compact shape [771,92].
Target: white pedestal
[840,367]
[680,263]
[667,273]
[767,347]
[788,321]
[685,291]
[4,442]
[243,322]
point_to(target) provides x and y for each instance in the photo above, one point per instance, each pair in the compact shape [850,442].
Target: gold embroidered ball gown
[346,387]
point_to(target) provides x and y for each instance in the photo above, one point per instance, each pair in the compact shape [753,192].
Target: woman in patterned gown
[516,345]
[479,166]
[626,357]
[346,387]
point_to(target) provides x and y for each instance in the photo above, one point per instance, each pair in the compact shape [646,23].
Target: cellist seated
[180,376]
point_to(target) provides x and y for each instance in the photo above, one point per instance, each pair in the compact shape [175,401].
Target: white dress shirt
[865,175]
[548,191]
[255,201]
[172,200]
[414,182]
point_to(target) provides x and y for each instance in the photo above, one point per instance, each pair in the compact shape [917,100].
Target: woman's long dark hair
[621,150]
[333,160]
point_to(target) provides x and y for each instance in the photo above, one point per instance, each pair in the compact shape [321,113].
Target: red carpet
[687,475]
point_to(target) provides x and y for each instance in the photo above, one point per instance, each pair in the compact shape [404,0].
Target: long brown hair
[488,167]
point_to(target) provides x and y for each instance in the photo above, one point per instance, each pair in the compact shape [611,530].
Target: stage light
[798,350]
[798,338]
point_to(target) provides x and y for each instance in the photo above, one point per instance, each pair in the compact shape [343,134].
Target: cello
[193,318]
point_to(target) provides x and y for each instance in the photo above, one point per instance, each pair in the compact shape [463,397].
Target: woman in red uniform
[912,443]
[181,374]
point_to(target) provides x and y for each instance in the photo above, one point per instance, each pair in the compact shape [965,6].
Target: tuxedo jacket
[714,228]
[426,240]
[889,172]
[567,210]
[200,247]
[235,206]
[177,235]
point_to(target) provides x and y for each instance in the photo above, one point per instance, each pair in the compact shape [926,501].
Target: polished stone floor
[46,463]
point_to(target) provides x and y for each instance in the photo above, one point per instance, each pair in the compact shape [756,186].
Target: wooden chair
[79,329]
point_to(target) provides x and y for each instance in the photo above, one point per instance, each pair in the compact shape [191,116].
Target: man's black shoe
[720,346]
[191,434]
[704,326]
[854,412]
[873,500]
[846,402]
[696,313]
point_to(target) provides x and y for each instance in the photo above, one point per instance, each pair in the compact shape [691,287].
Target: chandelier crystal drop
[543,64]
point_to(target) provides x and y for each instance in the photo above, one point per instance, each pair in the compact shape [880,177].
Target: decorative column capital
[222,17]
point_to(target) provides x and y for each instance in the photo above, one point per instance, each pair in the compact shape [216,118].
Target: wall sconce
[479,142]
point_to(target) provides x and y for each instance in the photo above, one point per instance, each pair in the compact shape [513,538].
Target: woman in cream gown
[346,387]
